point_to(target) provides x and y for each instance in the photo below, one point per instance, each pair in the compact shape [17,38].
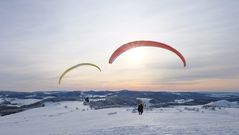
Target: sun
[135,55]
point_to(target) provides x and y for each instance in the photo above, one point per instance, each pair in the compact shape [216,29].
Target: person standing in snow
[140,109]
[87,99]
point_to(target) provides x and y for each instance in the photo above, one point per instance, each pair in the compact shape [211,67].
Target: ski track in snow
[73,118]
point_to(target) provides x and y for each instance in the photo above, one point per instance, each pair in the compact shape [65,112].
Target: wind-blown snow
[73,118]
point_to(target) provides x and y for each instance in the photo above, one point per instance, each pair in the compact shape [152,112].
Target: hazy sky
[39,39]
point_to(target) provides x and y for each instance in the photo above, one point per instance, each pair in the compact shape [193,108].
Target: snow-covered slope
[73,118]
[20,102]
[224,103]
[181,101]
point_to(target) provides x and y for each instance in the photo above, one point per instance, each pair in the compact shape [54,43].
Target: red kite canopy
[135,44]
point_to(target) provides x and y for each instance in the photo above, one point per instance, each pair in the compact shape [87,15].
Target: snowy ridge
[20,102]
[224,103]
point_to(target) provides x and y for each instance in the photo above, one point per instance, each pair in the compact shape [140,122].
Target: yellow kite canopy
[73,67]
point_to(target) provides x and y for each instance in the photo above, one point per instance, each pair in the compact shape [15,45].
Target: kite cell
[135,44]
[76,66]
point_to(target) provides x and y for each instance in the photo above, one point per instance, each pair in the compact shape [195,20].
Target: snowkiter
[140,109]
[87,99]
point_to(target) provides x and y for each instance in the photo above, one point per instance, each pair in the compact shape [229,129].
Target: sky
[39,39]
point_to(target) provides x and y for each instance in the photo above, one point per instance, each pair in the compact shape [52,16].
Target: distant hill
[13,102]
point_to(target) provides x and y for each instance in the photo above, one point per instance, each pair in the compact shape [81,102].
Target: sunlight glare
[135,55]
